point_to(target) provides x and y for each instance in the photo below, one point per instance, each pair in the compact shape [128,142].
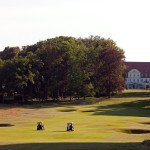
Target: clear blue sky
[127,22]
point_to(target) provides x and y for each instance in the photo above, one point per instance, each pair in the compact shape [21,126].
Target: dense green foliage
[62,67]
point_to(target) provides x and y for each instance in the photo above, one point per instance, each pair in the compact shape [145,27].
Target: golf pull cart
[70,126]
[40,126]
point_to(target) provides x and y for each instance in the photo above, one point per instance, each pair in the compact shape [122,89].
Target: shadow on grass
[135,131]
[6,125]
[76,146]
[146,123]
[44,104]
[68,110]
[34,105]
[134,94]
[140,108]
[66,103]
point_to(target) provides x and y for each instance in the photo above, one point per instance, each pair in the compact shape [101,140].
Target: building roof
[143,67]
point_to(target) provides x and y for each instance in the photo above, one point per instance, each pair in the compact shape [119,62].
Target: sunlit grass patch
[101,121]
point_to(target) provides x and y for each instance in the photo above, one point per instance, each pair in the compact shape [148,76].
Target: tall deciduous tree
[111,70]
[63,65]
[9,53]
[106,64]
[16,74]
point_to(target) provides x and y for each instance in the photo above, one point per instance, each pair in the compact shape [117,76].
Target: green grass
[100,124]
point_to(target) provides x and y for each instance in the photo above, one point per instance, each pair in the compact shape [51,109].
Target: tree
[1,80]
[106,65]
[9,53]
[108,74]
[63,67]
[62,57]
[17,74]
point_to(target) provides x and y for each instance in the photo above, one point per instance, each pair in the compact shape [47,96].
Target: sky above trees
[24,22]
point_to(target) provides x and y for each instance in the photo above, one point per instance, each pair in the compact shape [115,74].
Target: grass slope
[106,124]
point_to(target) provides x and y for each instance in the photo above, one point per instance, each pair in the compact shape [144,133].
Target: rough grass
[100,124]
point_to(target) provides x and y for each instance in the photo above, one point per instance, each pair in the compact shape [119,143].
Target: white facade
[136,80]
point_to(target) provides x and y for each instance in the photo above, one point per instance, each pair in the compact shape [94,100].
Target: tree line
[62,67]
